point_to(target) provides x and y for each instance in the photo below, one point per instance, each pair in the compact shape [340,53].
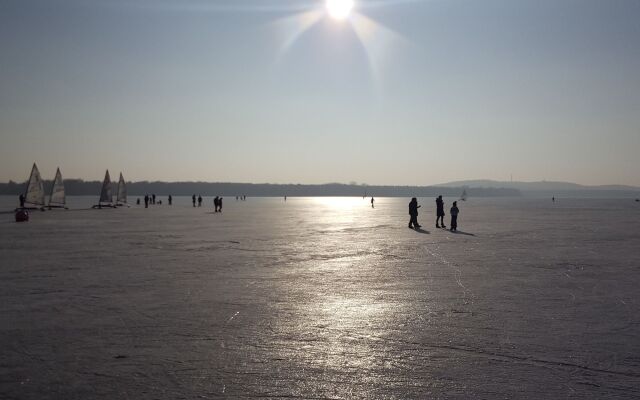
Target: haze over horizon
[277,91]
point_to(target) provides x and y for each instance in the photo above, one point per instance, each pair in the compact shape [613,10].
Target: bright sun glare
[339,9]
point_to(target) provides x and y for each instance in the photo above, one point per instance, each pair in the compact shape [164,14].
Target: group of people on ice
[454,211]
[217,202]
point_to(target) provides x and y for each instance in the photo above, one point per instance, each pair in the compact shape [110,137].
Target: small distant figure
[199,201]
[285,199]
[220,204]
[146,201]
[236,198]
[454,217]
[372,200]
[21,198]
[193,199]
[553,199]
[160,202]
[170,199]
[215,204]
[153,198]
[440,212]
[22,215]
[138,201]
[413,213]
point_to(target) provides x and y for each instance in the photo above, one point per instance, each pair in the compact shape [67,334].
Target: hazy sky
[404,92]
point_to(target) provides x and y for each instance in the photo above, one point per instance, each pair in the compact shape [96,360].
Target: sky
[400,92]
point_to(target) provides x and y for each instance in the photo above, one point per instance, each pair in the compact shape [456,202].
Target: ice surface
[321,298]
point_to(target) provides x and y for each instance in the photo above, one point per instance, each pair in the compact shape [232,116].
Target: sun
[339,9]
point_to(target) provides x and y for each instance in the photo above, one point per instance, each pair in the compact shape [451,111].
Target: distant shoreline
[76,187]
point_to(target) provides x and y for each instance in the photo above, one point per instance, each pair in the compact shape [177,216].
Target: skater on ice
[413,212]
[454,217]
[440,212]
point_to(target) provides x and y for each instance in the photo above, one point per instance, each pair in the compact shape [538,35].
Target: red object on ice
[22,216]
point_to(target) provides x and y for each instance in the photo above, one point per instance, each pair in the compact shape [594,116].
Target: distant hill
[76,187]
[552,188]
[474,188]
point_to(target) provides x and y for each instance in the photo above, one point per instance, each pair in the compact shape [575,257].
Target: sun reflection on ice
[339,203]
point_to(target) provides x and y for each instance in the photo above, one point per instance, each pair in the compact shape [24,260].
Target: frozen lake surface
[322,298]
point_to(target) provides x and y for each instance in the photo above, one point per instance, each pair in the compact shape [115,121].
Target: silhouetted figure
[21,198]
[22,215]
[215,204]
[193,199]
[146,201]
[285,199]
[454,217]
[138,201]
[413,212]
[160,202]
[199,201]
[236,198]
[170,200]
[440,212]
[372,200]
[153,199]
[220,204]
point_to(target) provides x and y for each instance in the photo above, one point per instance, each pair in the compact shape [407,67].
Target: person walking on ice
[454,217]
[440,212]
[413,212]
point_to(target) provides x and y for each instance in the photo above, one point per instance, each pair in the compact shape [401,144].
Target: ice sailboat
[463,196]
[121,199]
[34,197]
[106,199]
[57,199]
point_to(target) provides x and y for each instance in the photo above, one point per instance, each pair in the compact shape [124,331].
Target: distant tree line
[78,187]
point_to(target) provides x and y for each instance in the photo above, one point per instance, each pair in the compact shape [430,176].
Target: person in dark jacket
[170,200]
[454,216]
[413,212]
[21,201]
[193,200]
[440,212]
[146,201]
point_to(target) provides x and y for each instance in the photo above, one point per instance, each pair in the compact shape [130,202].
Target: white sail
[463,196]
[105,194]
[122,190]
[35,188]
[57,191]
